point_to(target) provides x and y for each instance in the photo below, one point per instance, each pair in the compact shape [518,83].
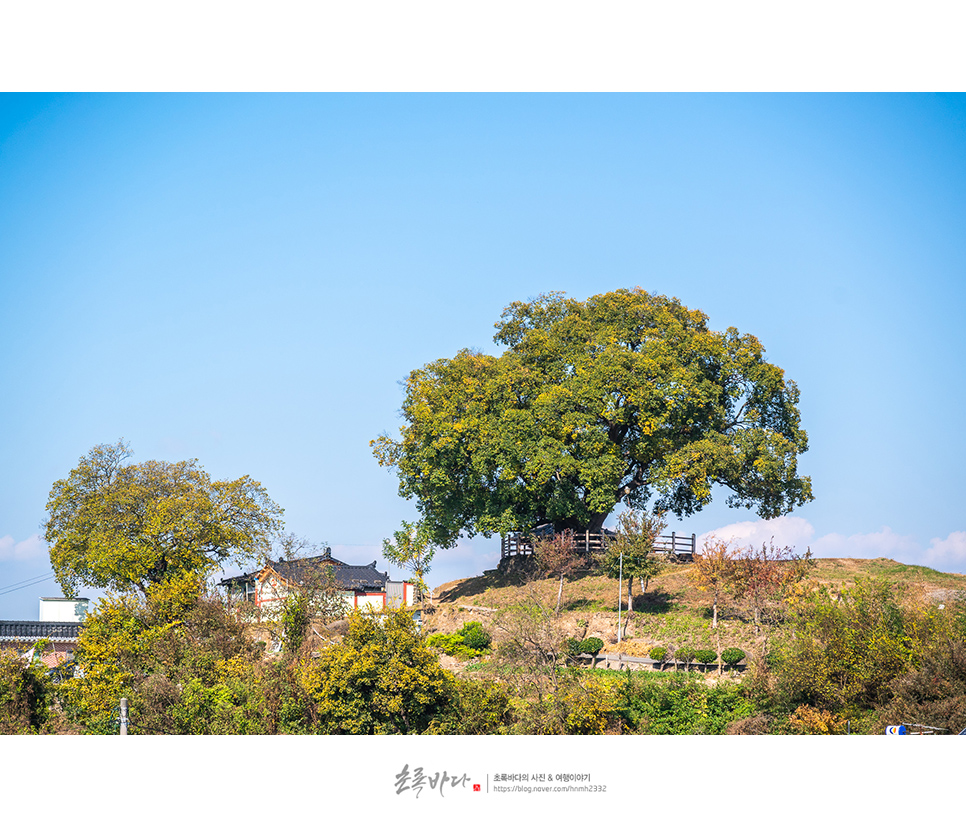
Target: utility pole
[123,716]
[620,587]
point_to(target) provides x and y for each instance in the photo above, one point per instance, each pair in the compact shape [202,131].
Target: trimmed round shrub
[732,656]
[705,656]
[571,646]
[685,654]
[657,653]
[591,645]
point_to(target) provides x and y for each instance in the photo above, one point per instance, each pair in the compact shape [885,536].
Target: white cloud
[31,548]
[948,553]
[885,544]
[788,531]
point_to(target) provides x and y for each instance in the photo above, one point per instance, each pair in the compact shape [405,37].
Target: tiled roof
[348,577]
[360,578]
[298,571]
[53,659]
[28,631]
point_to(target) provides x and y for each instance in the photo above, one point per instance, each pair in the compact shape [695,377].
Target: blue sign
[895,730]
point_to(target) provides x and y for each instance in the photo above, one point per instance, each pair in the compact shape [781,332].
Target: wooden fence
[677,547]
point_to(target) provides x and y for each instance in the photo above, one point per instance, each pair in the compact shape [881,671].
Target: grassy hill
[673,612]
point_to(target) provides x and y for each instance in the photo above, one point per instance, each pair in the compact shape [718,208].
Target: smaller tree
[411,547]
[712,569]
[183,662]
[322,597]
[632,555]
[760,576]
[530,651]
[318,595]
[557,556]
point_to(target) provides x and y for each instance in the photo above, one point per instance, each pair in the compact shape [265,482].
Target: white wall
[63,610]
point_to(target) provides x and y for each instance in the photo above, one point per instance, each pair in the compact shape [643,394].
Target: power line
[26,583]
[30,579]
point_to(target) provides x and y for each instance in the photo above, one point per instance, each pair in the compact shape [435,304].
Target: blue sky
[246,279]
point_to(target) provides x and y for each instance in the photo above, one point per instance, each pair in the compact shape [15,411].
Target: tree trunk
[559,595]
[714,616]
[630,603]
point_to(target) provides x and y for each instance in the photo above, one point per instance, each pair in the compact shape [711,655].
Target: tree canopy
[627,396]
[125,526]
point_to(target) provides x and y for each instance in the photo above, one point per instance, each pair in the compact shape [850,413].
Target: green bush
[658,653]
[705,656]
[470,641]
[446,643]
[679,706]
[571,646]
[591,645]
[685,654]
[475,636]
[25,695]
[732,656]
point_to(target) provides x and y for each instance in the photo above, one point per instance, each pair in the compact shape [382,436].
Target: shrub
[732,656]
[591,645]
[24,695]
[680,705]
[587,704]
[470,641]
[658,653]
[807,720]
[705,656]
[381,679]
[475,636]
[754,725]
[685,654]
[447,643]
[571,646]
[478,707]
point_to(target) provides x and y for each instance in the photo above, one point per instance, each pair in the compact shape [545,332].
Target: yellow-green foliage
[588,703]
[625,396]
[125,527]
[807,720]
[381,679]
[846,649]
[25,694]
[183,664]
[472,640]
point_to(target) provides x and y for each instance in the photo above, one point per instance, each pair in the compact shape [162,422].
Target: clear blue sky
[246,279]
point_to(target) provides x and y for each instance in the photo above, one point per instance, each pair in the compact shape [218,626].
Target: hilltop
[671,612]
